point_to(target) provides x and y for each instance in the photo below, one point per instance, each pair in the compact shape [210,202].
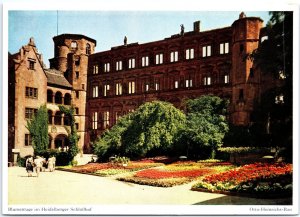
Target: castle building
[104,86]
[184,66]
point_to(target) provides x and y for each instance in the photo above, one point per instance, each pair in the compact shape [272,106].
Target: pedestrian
[29,166]
[51,164]
[38,161]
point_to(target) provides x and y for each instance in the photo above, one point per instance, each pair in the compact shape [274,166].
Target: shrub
[241,150]
[63,159]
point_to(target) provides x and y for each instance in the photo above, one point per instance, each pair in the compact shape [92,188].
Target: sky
[108,28]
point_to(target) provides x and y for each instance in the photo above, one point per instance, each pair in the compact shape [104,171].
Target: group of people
[39,164]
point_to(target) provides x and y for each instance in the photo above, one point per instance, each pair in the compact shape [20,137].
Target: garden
[193,150]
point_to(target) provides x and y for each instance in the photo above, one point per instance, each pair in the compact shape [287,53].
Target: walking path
[65,188]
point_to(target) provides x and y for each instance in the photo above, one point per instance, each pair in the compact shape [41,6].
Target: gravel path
[61,187]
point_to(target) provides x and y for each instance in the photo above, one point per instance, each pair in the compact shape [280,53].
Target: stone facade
[186,65]
[106,85]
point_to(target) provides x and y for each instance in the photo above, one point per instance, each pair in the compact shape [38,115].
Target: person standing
[29,165]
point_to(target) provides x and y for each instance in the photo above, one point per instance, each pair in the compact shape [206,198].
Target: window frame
[190,54]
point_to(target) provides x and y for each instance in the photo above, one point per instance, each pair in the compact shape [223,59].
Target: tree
[110,143]
[38,129]
[73,136]
[152,128]
[274,57]
[205,127]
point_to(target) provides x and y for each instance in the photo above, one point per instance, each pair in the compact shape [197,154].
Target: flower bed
[108,169]
[174,174]
[256,178]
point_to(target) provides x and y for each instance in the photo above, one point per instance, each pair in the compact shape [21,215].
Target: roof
[74,36]
[57,78]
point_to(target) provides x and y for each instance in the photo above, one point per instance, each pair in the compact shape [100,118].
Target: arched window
[88,49]
[58,98]
[67,99]
[50,96]
[49,117]
[57,118]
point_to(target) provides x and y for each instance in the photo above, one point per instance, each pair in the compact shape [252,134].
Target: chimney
[197,26]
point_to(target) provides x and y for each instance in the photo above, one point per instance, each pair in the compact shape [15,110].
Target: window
[118,89]
[106,67]
[31,92]
[189,54]
[174,56]
[119,65]
[176,84]
[28,140]
[156,86]
[224,48]
[131,63]
[95,121]
[147,87]
[77,94]
[73,44]
[30,112]
[106,119]
[31,63]
[117,115]
[76,110]
[77,74]
[88,49]
[77,126]
[145,61]
[207,80]
[77,62]
[206,51]
[226,79]
[131,87]
[95,91]
[106,89]
[82,86]
[188,83]
[241,48]
[159,59]
[241,94]
[95,70]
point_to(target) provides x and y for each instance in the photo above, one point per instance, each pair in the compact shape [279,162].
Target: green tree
[274,57]
[205,127]
[152,128]
[73,136]
[110,144]
[38,129]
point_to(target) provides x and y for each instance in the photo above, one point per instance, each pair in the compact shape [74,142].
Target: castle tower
[245,78]
[71,52]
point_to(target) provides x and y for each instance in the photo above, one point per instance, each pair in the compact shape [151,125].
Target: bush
[21,161]
[240,150]
[63,159]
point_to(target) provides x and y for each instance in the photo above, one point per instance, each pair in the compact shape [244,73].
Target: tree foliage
[73,136]
[205,127]
[153,127]
[274,57]
[38,129]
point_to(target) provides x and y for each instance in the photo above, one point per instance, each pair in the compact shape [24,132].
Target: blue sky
[110,27]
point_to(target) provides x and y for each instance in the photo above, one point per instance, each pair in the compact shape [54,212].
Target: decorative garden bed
[258,180]
[109,169]
[176,173]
